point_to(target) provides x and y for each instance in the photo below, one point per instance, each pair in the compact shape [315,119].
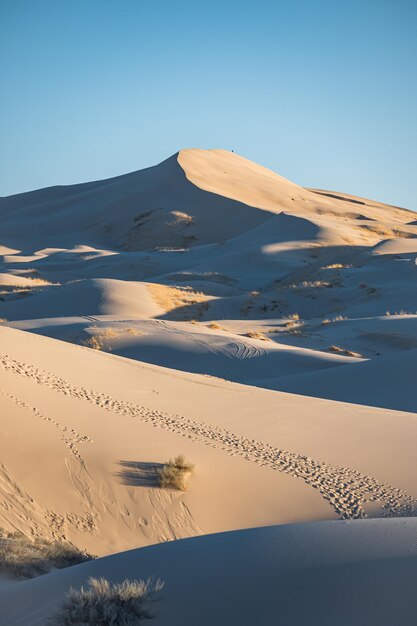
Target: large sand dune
[210,307]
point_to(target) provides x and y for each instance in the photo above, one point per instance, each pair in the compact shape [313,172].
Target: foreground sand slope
[82,432]
[320,574]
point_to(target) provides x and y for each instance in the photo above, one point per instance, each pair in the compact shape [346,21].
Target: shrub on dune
[174,473]
[118,604]
[21,557]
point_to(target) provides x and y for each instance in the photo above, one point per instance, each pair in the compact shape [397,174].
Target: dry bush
[95,343]
[215,326]
[21,557]
[294,322]
[307,284]
[182,303]
[100,340]
[117,604]
[339,350]
[337,318]
[174,473]
[182,218]
[388,313]
[134,331]
[336,266]
[256,334]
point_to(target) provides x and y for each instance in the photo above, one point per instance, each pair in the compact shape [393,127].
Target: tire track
[345,489]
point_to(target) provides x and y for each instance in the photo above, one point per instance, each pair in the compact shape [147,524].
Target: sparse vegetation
[339,350]
[95,343]
[338,318]
[101,339]
[308,284]
[256,334]
[117,604]
[215,326]
[21,557]
[388,313]
[182,303]
[134,331]
[173,474]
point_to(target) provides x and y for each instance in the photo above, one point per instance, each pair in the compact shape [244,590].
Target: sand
[210,307]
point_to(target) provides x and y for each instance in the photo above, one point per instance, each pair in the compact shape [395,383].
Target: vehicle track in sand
[346,490]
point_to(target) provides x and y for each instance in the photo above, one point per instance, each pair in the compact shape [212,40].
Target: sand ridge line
[346,490]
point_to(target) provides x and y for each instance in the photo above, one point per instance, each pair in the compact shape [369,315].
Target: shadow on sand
[139,474]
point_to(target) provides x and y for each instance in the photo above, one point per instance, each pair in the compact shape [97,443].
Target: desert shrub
[338,318]
[339,350]
[118,604]
[134,331]
[174,473]
[96,343]
[215,326]
[21,557]
[256,334]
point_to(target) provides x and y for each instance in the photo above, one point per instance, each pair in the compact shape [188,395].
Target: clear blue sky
[322,91]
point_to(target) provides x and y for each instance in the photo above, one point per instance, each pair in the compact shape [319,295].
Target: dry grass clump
[339,350]
[215,326]
[215,277]
[173,474]
[101,339]
[388,313]
[256,334]
[134,331]
[117,604]
[21,557]
[95,343]
[183,302]
[308,284]
[294,322]
[182,218]
[33,274]
[338,318]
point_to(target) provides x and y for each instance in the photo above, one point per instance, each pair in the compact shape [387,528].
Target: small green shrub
[118,604]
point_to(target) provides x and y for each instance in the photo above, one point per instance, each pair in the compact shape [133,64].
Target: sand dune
[385,382]
[257,576]
[208,306]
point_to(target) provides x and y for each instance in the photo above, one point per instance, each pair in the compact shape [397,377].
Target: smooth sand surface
[320,574]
